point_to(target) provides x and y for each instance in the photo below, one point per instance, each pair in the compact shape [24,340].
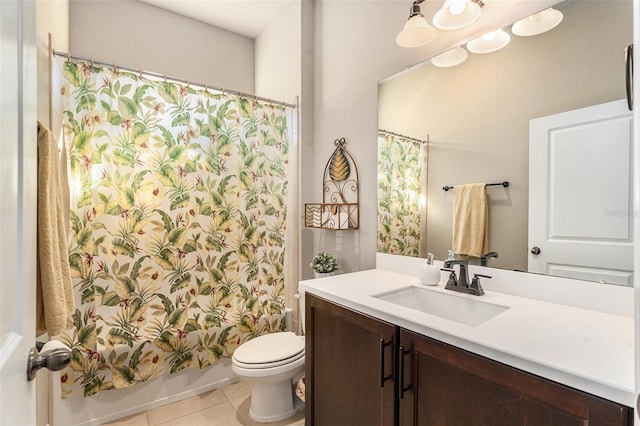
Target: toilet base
[272,402]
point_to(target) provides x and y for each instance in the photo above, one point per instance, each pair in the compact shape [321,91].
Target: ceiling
[246,17]
[251,17]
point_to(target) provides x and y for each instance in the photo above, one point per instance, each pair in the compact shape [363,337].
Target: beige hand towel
[55,303]
[470,220]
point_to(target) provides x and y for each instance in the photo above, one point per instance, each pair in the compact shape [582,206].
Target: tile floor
[228,406]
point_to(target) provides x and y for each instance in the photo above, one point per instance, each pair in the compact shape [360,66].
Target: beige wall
[477,114]
[138,35]
[277,57]
[52,17]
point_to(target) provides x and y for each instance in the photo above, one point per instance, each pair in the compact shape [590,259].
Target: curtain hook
[187,84]
[165,79]
[270,105]
[68,57]
[93,65]
[140,73]
[115,68]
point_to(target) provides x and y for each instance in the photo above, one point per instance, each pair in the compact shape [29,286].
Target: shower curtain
[399,193]
[177,225]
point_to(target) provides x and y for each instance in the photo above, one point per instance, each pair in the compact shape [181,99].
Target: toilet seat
[269,350]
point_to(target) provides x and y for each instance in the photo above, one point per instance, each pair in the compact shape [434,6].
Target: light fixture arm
[415,9]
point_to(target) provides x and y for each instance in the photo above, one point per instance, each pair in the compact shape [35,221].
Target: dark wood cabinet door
[449,386]
[349,367]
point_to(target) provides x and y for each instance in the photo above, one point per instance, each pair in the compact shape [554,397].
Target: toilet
[273,363]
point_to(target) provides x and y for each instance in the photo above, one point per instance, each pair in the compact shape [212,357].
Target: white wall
[138,35]
[355,48]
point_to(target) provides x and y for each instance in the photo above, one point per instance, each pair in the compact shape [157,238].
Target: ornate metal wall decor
[340,193]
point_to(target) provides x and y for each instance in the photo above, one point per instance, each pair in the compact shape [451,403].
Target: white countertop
[584,349]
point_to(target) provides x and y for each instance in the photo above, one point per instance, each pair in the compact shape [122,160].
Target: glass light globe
[489,42]
[416,32]
[456,14]
[537,23]
[450,58]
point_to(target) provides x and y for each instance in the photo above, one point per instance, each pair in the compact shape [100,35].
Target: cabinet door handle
[403,388]
[383,377]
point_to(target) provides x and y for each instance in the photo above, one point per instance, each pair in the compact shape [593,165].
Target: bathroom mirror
[476,116]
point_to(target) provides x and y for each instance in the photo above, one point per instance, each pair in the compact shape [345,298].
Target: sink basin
[466,310]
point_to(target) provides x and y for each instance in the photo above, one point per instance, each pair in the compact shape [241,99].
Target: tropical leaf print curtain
[177,225]
[399,190]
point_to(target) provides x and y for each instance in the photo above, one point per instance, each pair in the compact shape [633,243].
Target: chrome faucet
[461,282]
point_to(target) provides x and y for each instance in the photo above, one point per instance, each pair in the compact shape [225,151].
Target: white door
[636,192]
[18,175]
[580,199]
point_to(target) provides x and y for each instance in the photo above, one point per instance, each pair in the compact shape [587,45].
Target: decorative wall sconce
[339,209]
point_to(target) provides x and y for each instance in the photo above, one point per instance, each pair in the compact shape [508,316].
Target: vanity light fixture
[416,32]
[450,58]
[456,14]
[537,23]
[489,42]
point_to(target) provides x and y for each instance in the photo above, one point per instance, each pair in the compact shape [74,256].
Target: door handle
[628,59]
[536,251]
[54,360]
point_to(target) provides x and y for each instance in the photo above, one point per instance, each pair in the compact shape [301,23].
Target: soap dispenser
[430,273]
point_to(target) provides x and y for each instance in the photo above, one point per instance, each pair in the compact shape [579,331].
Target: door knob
[54,360]
[535,250]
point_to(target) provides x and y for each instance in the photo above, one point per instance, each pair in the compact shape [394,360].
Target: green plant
[324,262]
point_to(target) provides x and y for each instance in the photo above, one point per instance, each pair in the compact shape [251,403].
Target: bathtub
[113,404]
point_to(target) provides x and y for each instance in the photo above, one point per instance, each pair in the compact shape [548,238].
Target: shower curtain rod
[69,57]
[405,137]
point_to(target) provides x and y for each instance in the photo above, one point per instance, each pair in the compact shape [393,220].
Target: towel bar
[504,184]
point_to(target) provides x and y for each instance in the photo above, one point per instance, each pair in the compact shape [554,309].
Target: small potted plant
[324,264]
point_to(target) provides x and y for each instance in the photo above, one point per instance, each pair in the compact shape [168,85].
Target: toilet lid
[269,348]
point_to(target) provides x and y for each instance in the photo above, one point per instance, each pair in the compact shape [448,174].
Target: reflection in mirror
[401,194]
[477,116]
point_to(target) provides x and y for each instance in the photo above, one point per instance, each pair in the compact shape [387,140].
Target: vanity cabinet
[349,367]
[444,385]
[363,371]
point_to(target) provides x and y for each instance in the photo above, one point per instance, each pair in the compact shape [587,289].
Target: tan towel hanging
[55,302]
[470,220]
